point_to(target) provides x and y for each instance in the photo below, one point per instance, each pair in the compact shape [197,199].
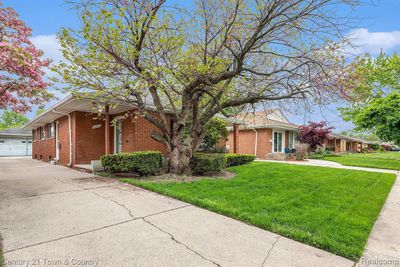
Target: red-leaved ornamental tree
[21,65]
[314,134]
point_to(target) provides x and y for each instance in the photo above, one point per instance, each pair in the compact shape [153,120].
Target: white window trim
[49,125]
[43,136]
[293,133]
[273,140]
[115,135]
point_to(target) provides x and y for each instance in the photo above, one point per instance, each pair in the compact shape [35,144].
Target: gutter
[52,109]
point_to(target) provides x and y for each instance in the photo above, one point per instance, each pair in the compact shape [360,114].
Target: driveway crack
[116,202]
[270,250]
[93,230]
[97,194]
[64,182]
[180,243]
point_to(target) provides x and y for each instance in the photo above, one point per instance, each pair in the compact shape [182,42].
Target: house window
[42,133]
[277,141]
[292,139]
[50,130]
[34,135]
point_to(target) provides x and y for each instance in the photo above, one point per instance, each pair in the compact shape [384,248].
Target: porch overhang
[72,103]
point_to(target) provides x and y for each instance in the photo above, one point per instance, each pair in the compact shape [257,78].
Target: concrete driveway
[56,216]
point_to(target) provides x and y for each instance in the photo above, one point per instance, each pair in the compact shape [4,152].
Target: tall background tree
[21,65]
[375,97]
[315,134]
[362,135]
[10,119]
[214,57]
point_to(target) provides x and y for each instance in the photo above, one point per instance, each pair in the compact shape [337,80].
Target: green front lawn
[332,209]
[386,160]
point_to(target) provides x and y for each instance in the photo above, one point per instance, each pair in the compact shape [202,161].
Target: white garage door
[15,147]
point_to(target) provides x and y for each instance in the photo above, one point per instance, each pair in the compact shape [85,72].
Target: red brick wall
[247,140]
[264,143]
[89,140]
[63,138]
[229,142]
[136,136]
[44,149]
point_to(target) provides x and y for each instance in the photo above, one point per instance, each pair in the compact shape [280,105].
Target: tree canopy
[10,119]
[375,96]
[216,57]
[382,116]
[21,64]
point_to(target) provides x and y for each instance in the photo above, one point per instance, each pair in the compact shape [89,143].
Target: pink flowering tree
[21,65]
[314,134]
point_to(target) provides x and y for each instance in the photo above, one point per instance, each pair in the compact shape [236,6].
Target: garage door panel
[15,147]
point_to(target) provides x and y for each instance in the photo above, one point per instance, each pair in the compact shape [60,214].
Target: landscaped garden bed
[332,209]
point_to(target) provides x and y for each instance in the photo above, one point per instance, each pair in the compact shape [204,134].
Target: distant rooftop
[269,118]
[15,132]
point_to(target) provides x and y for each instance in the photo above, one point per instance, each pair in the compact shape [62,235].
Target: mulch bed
[169,177]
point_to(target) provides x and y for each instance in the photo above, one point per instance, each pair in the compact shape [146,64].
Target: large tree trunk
[179,161]
[179,156]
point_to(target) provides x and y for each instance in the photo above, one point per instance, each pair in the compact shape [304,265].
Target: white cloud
[50,45]
[364,41]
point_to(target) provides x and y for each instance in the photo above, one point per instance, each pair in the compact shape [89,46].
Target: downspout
[256,142]
[70,140]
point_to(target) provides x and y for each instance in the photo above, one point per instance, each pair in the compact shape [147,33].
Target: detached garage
[15,142]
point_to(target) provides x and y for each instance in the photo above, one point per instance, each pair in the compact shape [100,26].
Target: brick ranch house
[266,134]
[341,144]
[70,133]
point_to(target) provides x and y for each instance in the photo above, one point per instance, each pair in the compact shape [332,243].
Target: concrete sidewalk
[329,164]
[383,246]
[56,216]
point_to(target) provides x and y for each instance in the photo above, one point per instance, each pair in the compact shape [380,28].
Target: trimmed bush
[375,146]
[238,159]
[142,162]
[202,163]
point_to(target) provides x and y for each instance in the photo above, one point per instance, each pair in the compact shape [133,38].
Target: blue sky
[379,29]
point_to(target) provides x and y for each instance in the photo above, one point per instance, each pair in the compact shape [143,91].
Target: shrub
[315,156]
[143,162]
[365,150]
[375,146]
[238,159]
[202,163]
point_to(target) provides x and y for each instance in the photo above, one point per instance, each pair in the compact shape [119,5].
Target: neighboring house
[262,134]
[69,133]
[15,142]
[341,143]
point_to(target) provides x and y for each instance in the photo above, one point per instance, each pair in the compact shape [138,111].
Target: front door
[118,137]
[278,141]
